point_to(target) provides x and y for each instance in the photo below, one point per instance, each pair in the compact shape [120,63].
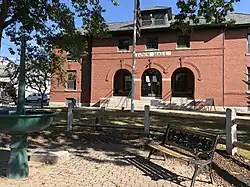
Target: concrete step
[182,101]
[119,102]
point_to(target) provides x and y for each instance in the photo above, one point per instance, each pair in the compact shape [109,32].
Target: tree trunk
[42,100]
[1,35]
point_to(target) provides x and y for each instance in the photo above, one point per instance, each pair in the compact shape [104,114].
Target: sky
[124,12]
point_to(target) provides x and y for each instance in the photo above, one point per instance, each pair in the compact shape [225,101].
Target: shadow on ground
[116,143]
[155,172]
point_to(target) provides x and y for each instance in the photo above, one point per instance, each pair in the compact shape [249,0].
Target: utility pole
[136,32]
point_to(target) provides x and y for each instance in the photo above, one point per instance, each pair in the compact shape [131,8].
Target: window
[183,42]
[146,20]
[123,45]
[127,82]
[159,18]
[248,39]
[152,43]
[71,81]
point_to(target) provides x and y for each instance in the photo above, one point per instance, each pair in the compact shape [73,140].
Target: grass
[158,123]
[242,152]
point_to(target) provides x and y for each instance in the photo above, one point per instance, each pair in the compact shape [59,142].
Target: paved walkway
[108,165]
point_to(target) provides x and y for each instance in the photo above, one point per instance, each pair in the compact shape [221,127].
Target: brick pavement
[108,165]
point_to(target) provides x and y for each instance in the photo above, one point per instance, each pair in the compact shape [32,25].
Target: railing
[123,100]
[127,97]
[106,98]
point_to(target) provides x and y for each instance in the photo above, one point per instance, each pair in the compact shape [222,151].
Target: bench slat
[169,151]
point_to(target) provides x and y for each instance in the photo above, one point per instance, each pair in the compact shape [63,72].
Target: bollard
[70,115]
[102,116]
[231,131]
[146,119]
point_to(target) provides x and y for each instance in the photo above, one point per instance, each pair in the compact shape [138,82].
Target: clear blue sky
[124,12]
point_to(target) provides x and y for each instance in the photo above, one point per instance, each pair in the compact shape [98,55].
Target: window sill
[182,48]
[148,50]
[67,90]
[123,51]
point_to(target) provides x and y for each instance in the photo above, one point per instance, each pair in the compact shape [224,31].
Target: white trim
[151,49]
[122,51]
[137,79]
[238,109]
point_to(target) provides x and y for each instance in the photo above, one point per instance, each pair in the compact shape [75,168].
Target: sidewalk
[110,165]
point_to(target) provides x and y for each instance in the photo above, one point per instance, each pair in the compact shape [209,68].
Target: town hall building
[208,67]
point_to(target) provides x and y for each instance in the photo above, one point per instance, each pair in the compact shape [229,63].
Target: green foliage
[192,11]
[41,20]
[41,65]
[11,91]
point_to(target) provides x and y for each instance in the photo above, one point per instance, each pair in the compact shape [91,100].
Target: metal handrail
[108,95]
[127,97]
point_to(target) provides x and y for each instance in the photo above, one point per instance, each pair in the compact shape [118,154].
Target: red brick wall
[236,67]
[59,92]
[205,59]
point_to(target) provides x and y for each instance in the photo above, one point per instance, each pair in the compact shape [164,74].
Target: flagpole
[133,57]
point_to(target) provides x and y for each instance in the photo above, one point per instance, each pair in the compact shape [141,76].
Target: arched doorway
[182,83]
[151,83]
[122,82]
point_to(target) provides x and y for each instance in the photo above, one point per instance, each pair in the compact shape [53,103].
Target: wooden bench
[188,145]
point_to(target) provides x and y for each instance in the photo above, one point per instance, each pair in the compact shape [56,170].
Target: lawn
[157,123]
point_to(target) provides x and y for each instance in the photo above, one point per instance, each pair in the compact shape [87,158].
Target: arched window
[182,83]
[122,82]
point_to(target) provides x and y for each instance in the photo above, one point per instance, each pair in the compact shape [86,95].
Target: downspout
[223,67]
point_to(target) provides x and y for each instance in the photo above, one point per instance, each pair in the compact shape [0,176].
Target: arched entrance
[182,83]
[151,83]
[122,82]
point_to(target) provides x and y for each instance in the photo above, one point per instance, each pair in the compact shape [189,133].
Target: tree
[41,66]
[10,90]
[50,18]
[213,11]
[47,24]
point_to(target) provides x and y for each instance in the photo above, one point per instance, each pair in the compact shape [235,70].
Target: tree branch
[9,22]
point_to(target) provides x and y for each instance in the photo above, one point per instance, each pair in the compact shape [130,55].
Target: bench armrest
[204,155]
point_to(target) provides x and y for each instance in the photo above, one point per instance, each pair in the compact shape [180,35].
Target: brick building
[209,65]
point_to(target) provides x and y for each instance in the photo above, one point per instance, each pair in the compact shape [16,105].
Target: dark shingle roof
[240,19]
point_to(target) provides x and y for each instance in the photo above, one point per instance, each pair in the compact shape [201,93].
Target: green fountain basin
[31,121]
[19,126]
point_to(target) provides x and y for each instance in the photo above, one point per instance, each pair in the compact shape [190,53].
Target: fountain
[19,123]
